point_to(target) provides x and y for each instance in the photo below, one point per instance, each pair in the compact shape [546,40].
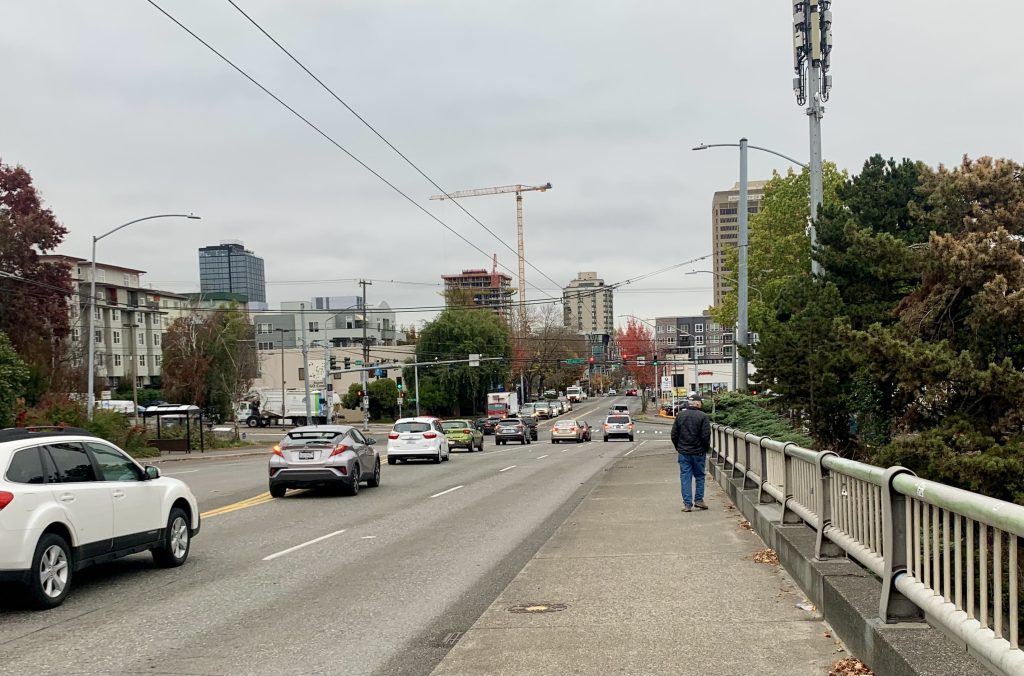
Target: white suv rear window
[412,427]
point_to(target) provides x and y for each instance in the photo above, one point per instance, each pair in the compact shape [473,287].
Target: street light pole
[740,340]
[282,332]
[90,401]
[305,361]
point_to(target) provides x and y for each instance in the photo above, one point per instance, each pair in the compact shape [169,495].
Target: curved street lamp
[91,338]
[743,243]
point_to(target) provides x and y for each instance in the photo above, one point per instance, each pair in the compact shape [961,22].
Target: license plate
[305,455]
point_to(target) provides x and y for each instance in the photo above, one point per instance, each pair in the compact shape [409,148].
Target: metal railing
[942,553]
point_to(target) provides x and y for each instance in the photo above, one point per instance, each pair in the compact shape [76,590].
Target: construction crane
[500,190]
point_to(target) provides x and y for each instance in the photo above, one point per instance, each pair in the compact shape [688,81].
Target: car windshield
[454,424]
[412,427]
[618,419]
[565,423]
[510,421]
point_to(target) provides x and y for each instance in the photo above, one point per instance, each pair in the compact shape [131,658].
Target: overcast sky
[119,114]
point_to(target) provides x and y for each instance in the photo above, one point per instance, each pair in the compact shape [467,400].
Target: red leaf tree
[637,340]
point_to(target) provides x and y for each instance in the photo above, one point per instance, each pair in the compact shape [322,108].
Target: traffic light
[398,381]
[655,361]
[348,362]
[591,360]
[333,363]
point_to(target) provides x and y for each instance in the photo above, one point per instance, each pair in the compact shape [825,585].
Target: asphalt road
[315,582]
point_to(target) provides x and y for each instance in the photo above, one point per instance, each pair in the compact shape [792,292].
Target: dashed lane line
[541,457]
[507,468]
[454,488]
[304,544]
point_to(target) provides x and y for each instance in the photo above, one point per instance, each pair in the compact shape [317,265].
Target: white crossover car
[417,438]
[69,499]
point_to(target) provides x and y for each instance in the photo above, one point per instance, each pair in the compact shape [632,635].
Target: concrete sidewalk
[632,585]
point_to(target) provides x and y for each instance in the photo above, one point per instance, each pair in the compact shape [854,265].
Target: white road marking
[507,468]
[368,537]
[566,450]
[304,544]
[636,447]
[437,495]
[187,471]
[542,457]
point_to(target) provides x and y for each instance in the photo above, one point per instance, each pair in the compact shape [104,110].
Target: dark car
[512,429]
[588,431]
[531,423]
[486,425]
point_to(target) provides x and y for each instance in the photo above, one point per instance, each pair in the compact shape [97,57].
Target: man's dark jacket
[691,432]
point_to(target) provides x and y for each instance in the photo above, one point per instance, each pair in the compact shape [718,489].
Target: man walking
[691,436]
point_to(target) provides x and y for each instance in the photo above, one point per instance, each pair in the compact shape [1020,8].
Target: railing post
[735,455]
[893,605]
[823,547]
[748,483]
[725,446]
[763,496]
[788,515]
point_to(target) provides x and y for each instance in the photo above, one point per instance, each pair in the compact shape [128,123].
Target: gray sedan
[324,455]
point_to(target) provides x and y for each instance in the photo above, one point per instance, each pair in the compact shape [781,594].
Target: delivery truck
[502,404]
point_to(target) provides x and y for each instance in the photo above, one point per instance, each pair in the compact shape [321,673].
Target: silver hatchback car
[324,455]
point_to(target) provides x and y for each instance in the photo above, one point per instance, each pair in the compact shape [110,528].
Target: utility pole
[327,381]
[743,244]
[135,376]
[281,332]
[366,358]
[416,371]
[305,363]
[812,47]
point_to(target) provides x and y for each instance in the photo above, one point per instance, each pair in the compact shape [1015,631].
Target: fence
[942,553]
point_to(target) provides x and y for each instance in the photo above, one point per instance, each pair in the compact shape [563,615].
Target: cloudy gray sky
[118,114]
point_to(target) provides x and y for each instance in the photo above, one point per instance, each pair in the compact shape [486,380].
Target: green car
[463,434]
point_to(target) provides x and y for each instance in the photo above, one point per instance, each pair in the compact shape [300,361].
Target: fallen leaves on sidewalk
[767,556]
[850,666]
[745,525]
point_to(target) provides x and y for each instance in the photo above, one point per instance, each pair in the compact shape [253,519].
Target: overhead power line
[324,134]
[381,136]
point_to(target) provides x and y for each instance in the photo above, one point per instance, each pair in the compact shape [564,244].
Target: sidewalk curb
[202,456]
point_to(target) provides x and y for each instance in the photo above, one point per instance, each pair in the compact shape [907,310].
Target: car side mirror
[370,441]
[152,472]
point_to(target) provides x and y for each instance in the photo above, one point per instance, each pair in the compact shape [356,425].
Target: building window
[96,314]
[314,327]
[264,328]
[302,374]
[142,360]
[265,346]
[98,338]
[117,337]
[99,359]
[715,351]
[117,360]
[698,340]
[727,211]
[727,350]
[156,339]
[74,335]
[115,315]
[159,359]
[684,328]
[698,328]
[698,352]
[101,275]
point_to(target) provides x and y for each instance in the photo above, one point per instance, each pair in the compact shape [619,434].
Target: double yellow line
[235,506]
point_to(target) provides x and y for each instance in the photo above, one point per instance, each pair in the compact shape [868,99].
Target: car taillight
[393,435]
[467,431]
[572,429]
[5,498]
[630,425]
[338,450]
[606,425]
[429,435]
[277,450]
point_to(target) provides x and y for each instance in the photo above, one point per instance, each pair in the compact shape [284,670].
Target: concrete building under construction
[489,289]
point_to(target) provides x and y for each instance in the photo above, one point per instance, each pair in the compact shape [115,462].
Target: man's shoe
[687,508]
[700,505]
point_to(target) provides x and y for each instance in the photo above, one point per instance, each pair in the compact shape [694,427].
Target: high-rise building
[725,230]
[588,306]
[230,267]
[487,289]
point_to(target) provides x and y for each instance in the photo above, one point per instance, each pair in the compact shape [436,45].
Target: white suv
[417,438]
[69,499]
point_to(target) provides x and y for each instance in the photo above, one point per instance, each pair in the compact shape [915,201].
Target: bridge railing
[942,553]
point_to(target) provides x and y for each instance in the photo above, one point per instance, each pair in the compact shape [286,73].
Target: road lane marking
[507,468]
[187,471]
[566,450]
[437,495]
[636,447]
[368,537]
[304,544]
[260,499]
[542,457]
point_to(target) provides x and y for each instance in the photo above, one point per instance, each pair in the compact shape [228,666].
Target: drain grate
[537,608]
[451,639]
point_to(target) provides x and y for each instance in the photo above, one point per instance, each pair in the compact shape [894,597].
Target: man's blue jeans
[691,469]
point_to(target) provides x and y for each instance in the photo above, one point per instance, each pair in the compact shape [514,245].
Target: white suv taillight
[5,498]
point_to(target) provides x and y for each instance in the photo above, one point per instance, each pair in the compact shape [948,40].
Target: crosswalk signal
[348,362]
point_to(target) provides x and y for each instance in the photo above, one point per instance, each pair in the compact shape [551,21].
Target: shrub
[754,414]
[117,428]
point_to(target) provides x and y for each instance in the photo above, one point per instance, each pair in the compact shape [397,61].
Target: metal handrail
[942,552]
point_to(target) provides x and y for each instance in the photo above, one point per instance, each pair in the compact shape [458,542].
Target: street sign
[366,402]
[640,361]
[666,384]
[399,402]
[359,362]
[575,361]
[474,360]
[705,373]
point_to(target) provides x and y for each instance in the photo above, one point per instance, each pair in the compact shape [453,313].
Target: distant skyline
[118,114]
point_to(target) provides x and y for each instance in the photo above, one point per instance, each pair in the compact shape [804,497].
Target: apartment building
[588,307]
[725,230]
[229,267]
[129,321]
[694,337]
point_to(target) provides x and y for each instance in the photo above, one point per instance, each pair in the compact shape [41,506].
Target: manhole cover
[538,608]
